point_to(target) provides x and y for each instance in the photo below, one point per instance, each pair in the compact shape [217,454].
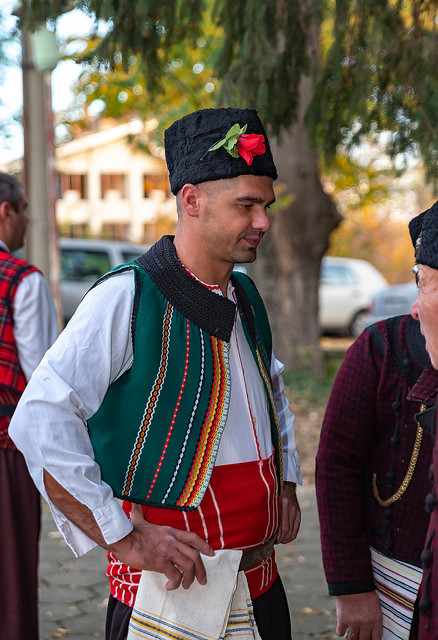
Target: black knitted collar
[213,313]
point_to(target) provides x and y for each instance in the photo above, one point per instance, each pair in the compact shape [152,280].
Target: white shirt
[69,386]
[35,322]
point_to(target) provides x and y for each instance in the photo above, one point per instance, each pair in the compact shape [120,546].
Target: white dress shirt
[35,322]
[70,384]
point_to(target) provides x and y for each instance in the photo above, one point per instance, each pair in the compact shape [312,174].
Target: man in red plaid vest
[27,328]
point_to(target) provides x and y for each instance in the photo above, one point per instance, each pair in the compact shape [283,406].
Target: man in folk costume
[28,326]
[163,391]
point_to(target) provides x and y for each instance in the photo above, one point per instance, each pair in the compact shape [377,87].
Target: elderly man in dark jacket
[425,309]
[372,474]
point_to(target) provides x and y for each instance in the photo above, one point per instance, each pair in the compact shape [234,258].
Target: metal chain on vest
[409,473]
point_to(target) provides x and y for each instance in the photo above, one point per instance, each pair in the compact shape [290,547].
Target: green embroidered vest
[157,432]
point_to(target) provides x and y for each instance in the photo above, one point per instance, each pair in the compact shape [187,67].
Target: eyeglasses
[415,272]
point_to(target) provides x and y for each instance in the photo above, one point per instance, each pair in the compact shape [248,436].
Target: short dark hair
[11,190]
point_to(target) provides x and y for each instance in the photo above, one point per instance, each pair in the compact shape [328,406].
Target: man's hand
[290,514]
[163,549]
[149,546]
[361,615]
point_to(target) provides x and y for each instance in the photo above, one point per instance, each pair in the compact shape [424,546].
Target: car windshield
[77,264]
[336,275]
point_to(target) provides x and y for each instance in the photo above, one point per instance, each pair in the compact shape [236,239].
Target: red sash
[238,511]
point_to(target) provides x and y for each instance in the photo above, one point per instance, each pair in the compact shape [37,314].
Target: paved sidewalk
[74,592]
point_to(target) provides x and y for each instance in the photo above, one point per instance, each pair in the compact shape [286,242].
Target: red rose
[250,145]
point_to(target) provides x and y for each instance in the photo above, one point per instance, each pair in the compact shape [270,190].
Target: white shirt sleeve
[291,463]
[66,389]
[35,321]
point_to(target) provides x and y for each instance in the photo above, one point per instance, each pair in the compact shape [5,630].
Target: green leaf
[231,142]
[233,152]
[217,145]
[234,131]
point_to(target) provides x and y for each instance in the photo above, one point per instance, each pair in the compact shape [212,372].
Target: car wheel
[357,324]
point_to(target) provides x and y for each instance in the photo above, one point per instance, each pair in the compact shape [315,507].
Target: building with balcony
[109,187]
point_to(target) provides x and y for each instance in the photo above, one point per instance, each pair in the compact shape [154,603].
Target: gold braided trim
[409,473]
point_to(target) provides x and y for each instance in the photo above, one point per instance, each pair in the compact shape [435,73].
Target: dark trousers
[271,612]
[19,535]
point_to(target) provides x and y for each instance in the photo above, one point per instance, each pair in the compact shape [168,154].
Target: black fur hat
[424,234]
[188,143]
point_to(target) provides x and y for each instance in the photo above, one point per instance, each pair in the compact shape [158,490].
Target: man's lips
[253,241]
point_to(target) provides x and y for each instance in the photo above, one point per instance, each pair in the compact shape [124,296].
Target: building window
[73,182]
[114,231]
[74,230]
[155,183]
[113,182]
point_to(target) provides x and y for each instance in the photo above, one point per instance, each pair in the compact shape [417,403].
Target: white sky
[73,24]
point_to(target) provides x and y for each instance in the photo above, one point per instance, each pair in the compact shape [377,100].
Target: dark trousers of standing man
[19,536]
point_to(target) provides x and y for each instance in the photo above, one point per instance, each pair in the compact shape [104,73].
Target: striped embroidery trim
[241,621]
[192,416]
[151,403]
[175,412]
[260,344]
[217,411]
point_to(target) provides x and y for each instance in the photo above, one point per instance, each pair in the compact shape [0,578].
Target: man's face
[425,309]
[236,217]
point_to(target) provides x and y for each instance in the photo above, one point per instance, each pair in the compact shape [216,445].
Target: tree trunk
[287,270]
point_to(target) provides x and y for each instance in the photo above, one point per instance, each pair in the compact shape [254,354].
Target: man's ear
[191,197]
[5,210]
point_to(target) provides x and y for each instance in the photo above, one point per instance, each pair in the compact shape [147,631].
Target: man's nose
[261,220]
[414,309]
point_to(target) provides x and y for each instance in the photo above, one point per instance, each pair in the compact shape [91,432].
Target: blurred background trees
[326,78]
[6,38]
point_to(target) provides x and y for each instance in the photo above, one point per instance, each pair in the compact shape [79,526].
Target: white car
[346,289]
[84,261]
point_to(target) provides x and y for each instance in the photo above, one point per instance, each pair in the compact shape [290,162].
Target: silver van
[85,261]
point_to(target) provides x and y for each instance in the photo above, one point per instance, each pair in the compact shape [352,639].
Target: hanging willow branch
[378,71]
[380,74]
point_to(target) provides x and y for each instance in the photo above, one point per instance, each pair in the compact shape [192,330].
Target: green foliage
[6,37]
[312,390]
[264,57]
[380,75]
[260,60]
[3,37]
[377,75]
[189,83]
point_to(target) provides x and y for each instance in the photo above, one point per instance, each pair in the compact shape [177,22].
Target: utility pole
[39,156]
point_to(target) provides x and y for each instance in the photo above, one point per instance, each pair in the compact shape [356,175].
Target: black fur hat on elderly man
[215,144]
[424,234]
